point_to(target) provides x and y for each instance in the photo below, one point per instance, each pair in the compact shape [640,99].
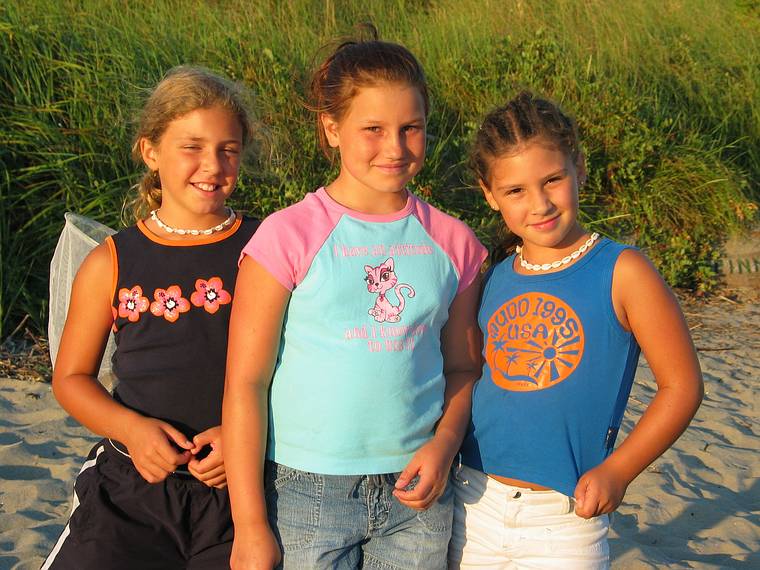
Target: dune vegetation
[666,94]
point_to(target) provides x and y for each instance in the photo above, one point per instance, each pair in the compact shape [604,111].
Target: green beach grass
[667,97]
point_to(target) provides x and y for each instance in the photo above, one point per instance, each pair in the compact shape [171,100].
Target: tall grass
[666,95]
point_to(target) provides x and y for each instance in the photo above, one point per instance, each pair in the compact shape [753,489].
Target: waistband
[469,476]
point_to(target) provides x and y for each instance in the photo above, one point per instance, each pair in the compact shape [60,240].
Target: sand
[698,506]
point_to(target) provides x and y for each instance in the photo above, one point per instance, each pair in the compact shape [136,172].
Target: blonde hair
[182,90]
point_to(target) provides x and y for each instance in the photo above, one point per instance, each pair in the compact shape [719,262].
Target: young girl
[152,493]
[359,304]
[563,318]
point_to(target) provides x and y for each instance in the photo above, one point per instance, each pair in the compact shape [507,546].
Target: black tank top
[171,306]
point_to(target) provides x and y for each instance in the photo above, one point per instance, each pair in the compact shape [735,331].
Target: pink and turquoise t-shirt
[358,385]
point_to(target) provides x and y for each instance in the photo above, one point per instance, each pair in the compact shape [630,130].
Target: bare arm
[461,345]
[646,306]
[75,383]
[255,328]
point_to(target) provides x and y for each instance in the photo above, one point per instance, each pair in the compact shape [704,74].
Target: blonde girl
[152,492]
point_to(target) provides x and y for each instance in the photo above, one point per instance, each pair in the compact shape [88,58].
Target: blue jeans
[353,521]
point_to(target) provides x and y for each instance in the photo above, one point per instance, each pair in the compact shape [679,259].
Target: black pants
[120,521]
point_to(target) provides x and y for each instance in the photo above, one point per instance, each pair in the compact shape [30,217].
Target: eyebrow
[560,172]
[203,139]
[374,121]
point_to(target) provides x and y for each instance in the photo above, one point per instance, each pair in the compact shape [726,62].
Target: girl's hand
[210,469]
[431,465]
[255,548]
[149,444]
[599,491]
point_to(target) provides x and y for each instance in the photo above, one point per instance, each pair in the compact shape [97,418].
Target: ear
[389,263]
[149,153]
[330,125]
[488,195]
[580,169]
[368,269]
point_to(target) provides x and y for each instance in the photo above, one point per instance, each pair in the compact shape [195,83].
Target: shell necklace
[555,264]
[217,228]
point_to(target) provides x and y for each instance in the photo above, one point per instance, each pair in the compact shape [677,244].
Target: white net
[79,235]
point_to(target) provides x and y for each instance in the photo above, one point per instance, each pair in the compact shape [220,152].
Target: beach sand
[698,506]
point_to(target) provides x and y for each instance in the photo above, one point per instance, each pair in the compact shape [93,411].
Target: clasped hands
[158,448]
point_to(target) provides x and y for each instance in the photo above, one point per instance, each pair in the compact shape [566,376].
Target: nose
[540,203]
[395,145]
[211,162]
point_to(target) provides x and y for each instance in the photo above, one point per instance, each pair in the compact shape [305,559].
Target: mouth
[205,186]
[393,168]
[546,224]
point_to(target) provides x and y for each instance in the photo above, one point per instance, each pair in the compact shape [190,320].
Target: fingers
[152,452]
[208,467]
[211,436]
[407,475]
[424,493]
[176,436]
[211,477]
[587,505]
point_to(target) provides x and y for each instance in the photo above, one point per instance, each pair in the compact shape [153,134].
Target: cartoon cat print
[381,279]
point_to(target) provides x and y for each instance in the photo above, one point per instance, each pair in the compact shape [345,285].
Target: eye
[385,276]
[191,147]
[513,191]
[231,150]
[411,128]
[554,180]
[373,129]
[368,279]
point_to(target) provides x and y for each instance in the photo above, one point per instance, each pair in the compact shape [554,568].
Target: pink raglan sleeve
[269,246]
[457,240]
[287,241]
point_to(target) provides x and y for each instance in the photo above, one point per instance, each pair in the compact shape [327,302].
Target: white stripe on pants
[506,527]
[74,505]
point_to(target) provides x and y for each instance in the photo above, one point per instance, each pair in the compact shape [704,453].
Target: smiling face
[536,191]
[381,139]
[198,160]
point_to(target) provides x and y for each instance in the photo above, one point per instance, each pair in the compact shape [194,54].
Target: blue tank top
[558,371]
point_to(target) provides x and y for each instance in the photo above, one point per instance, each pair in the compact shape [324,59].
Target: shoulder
[441,222]
[455,238]
[96,271]
[637,285]
[631,265]
[295,214]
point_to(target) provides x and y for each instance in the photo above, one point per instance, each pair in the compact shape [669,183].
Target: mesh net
[79,235]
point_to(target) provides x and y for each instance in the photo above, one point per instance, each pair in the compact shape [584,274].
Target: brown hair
[364,61]
[182,90]
[507,129]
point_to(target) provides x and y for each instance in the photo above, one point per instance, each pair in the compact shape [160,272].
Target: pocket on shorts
[438,517]
[293,504]
[579,537]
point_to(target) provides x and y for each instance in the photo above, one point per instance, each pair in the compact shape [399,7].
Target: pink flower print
[210,294]
[132,303]
[169,303]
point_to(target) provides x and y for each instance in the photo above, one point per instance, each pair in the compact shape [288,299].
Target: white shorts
[501,526]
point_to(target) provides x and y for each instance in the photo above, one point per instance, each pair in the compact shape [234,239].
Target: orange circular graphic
[533,341]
